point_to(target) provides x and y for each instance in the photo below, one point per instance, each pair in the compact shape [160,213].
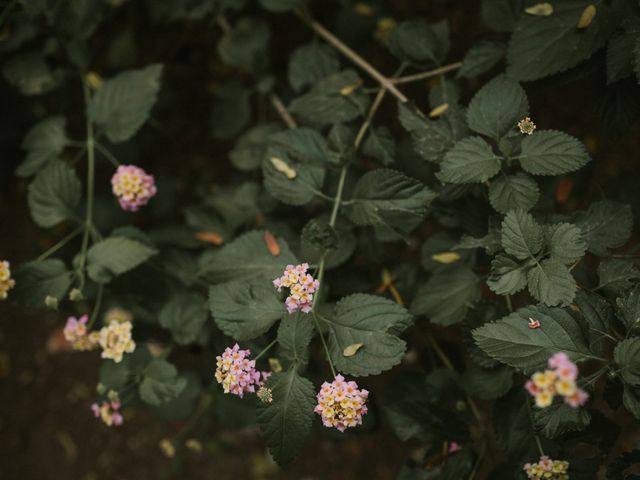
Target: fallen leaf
[283,167]
[210,237]
[540,9]
[272,244]
[439,110]
[587,16]
[352,87]
[352,349]
[446,257]
[275,365]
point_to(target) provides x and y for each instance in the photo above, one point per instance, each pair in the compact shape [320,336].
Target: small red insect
[534,323]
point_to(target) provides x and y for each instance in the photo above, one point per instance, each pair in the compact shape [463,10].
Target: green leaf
[31,74]
[548,152]
[511,341]
[294,335]
[469,161]
[416,42]
[620,55]
[507,275]
[320,236]
[501,15]
[497,107]
[245,310]
[184,315]
[43,142]
[311,63]
[616,274]
[627,356]
[303,145]
[560,418]
[631,399]
[629,306]
[481,58]
[286,421]
[114,256]
[245,258]
[123,103]
[521,235]
[389,198]
[249,150]
[508,192]
[246,45]
[231,111]
[380,145]
[542,46]
[367,319]
[281,5]
[54,194]
[487,384]
[161,383]
[550,282]
[606,225]
[565,242]
[447,296]
[37,280]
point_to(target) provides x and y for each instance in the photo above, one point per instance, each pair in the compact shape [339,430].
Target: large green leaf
[160,383]
[43,142]
[627,356]
[497,107]
[37,280]
[246,45]
[114,256]
[560,418]
[54,194]
[511,341]
[469,161]
[311,63]
[245,310]
[415,41]
[123,103]
[292,181]
[294,335]
[481,58]
[565,242]
[550,282]
[548,152]
[184,315]
[487,383]
[508,192]
[616,274]
[389,198]
[545,45]
[606,225]
[245,257]
[521,235]
[447,296]
[367,319]
[507,275]
[286,421]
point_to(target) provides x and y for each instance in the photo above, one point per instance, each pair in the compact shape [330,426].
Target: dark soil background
[47,431]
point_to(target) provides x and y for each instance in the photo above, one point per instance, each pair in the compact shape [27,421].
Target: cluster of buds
[76,333]
[6,282]
[109,411]
[236,373]
[133,187]
[548,469]
[341,404]
[115,340]
[526,126]
[301,287]
[558,379]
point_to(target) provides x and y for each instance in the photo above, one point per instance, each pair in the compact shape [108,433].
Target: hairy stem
[324,344]
[265,349]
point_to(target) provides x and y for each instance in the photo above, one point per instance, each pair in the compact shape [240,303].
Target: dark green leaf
[513,191]
[620,55]
[246,45]
[616,274]
[560,418]
[548,152]
[565,242]
[184,315]
[281,5]
[37,280]
[54,194]
[415,41]
[114,256]
[31,74]
[231,111]
[487,384]
[161,383]
[606,225]
[521,235]
[507,275]
[380,145]
[469,161]
[550,282]
[311,63]
[627,356]
[501,15]
[294,335]
[481,58]
[43,142]
[249,150]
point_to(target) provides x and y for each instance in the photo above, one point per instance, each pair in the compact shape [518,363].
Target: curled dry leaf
[439,110]
[352,349]
[283,167]
[587,16]
[352,87]
[272,243]
[446,257]
[210,237]
[275,365]
[540,9]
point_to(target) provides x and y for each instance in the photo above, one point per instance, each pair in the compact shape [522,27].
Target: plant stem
[324,345]
[350,54]
[509,305]
[96,306]
[91,173]
[533,427]
[59,245]
[424,75]
[265,350]
[338,199]
[282,111]
[109,156]
[372,111]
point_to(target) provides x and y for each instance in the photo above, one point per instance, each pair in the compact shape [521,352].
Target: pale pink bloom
[301,287]
[341,404]
[560,380]
[133,187]
[578,399]
[237,374]
[76,333]
[108,412]
[558,360]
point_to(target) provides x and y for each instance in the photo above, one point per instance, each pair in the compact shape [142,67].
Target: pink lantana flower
[237,374]
[558,380]
[301,287]
[341,404]
[133,187]
[76,333]
[108,412]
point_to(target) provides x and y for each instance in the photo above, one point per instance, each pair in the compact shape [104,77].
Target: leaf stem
[286,117]
[424,75]
[96,306]
[372,111]
[265,349]
[59,245]
[324,344]
[108,155]
[350,54]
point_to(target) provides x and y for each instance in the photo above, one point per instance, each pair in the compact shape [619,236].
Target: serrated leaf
[245,310]
[481,58]
[560,418]
[487,384]
[542,46]
[367,319]
[54,194]
[513,191]
[123,103]
[114,256]
[184,315]
[43,142]
[616,274]
[551,282]
[286,421]
[380,145]
[511,341]
[497,107]
[447,296]
[389,198]
[565,242]
[627,356]
[469,161]
[414,41]
[311,63]
[548,152]
[606,225]
[161,383]
[507,275]
[629,307]
[294,335]
[37,280]
[245,258]
[521,234]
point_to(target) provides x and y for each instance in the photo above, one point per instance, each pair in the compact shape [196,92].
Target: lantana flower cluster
[133,187]
[115,339]
[301,287]
[76,333]
[558,379]
[236,373]
[548,469]
[6,282]
[341,404]
[108,412]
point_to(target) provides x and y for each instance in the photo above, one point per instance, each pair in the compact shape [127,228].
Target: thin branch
[416,77]
[372,111]
[282,111]
[351,55]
